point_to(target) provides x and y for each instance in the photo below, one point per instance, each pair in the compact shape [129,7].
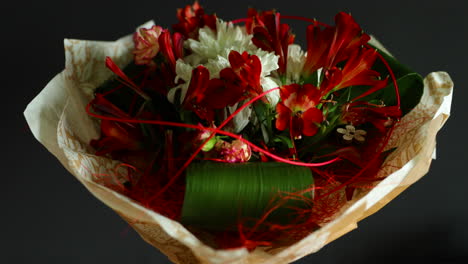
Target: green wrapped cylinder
[217,195]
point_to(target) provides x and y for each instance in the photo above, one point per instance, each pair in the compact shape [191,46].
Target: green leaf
[283,139]
[217,195]
[410,86]
[399,70]
[210,144]
[265,116]
[312,79]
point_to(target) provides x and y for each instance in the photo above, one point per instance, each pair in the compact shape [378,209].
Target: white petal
[342,130]
[183,71]
[296,60]
[215,66]
[360,132]
[359,138]
[172,92]
[350,128]
[242,119]
[348,137]
[270,83]
[268,59]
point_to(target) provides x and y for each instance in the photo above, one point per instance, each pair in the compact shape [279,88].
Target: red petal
[310,92]
[311,118]
[165,44]
[318,42]
[236,59]
[332,78]
[221,94]
[197,88]
[178,41]
[346,30]
[283,117]
[287,90]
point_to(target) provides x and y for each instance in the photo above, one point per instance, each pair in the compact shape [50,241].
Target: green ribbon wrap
[217,195]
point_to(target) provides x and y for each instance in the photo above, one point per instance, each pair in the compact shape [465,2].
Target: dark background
[48,217]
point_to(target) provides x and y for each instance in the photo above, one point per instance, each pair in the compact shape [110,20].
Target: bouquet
[226,142]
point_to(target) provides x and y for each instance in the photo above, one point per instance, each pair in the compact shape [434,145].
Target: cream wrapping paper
[58,120]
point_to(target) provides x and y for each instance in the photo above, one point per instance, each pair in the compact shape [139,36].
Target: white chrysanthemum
[296,60]
[212,51]
[228,37]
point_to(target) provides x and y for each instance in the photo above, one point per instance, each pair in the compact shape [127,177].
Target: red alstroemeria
[115,136]
[357,71]
[172,47]
[270,35]
[318,44]
[146,44]
[205,95]
[240,81]
[359,112]
[297,109]
[347,38]
[195,98]
[247,69]
[328,46]
[191,18]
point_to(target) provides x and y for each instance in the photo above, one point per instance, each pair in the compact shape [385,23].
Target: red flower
[115,136]
[245,70]
[171,47]
[348,37]
[318,44]
[358,113]
[342,43]
[195,99]
[146,44]
[191,18]
[327,47]
[240,81]
[357,71]
[270,35]
[297,109]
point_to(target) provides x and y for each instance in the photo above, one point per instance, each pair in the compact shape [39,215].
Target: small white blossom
[350,133]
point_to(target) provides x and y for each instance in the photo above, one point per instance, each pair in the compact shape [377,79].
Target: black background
[48,217]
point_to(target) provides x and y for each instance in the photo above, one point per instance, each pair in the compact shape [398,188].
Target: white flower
[212,51]
[350,133]
[296,60]
[227,37]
